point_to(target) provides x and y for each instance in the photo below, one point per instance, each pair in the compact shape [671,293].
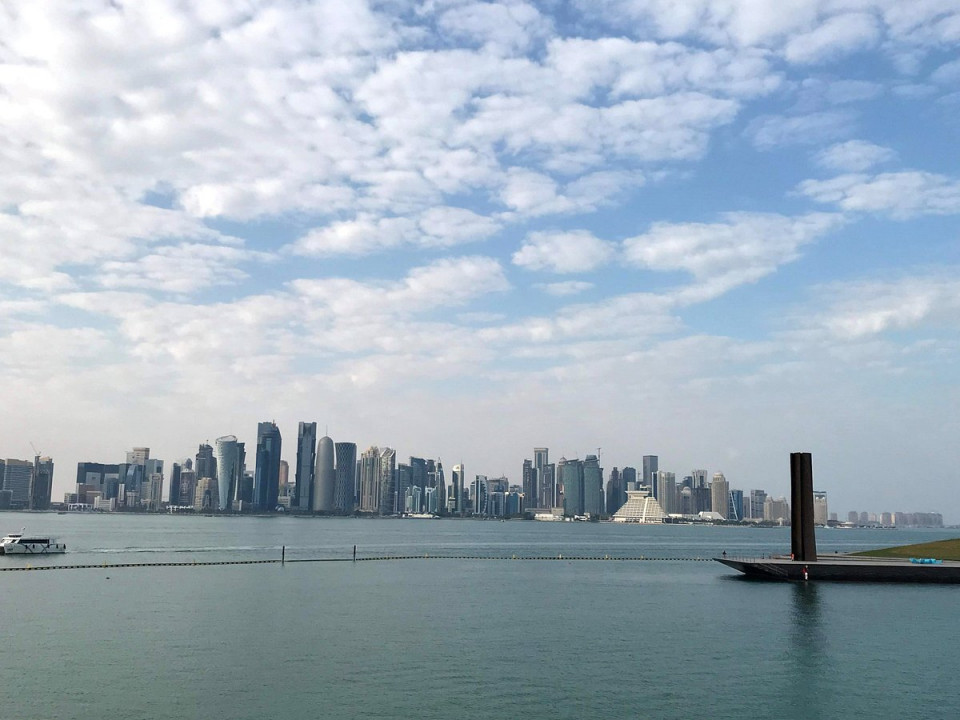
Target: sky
[716,231]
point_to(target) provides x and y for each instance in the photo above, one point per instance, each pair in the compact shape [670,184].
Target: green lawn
[942,550]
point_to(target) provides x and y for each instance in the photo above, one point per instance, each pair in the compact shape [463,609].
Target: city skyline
[715,230]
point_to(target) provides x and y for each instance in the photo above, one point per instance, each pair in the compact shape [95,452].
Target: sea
[466,626]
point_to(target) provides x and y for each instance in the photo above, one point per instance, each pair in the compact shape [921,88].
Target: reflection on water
[808,652]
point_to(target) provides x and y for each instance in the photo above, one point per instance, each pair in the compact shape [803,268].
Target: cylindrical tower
[325,478]
[228,458]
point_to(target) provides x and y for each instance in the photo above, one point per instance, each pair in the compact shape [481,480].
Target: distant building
[325,477]
[820,512]
[206,497]
[666,491]
[529,480]
[284,480]
[776,510]
[629,477]
[650,467]
[230,465]
[720,495]
[206,462]
[640,508]
[370,480]
[41,485]
[616,492]
[758,498]
[456,480]
[346,476]
[736,505]
[17,476]
[306,466]
[388,481]
[266,483]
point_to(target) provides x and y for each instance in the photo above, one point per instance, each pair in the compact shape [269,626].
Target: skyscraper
[173,498]
[570,475]
[456,479]
[592,486]
[388,481]
[206,463]
[616,492]
[41,485]
[229,465]
[720,495]
[346,469]
[650,467]
[666,485]
[306,466]
[629,477]
[370,480]
[529,481]
[266,484]
[325,477]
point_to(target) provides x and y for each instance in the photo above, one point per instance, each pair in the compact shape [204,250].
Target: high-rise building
[699,478]
[138,456]
[206,497]
[570,476]
[229,464]
[306,466]
[346,469]
[388,481]
[176,471]
[547,486]
[616,492]
[776,510]
[479,494]
[720,495]
[820,511]
[736,505]
[17,476]
[206,465]
[41,485]
[188,486]
[529,480]
[266,483]
[440,483]
[758,499]
[666,491]
[593,503]
[629,477]
[325,477]
[650,467]
[456,479]
[370,480]
[284,480]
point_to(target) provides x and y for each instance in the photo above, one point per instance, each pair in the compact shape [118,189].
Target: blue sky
[712,230]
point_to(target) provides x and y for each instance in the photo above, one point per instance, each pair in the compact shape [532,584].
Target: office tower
[206,465]
[529,481]
[306,466]
[699,478]
[346,472]
[758,499]
[541,458]
[405,489]
[325,477]
[388,481]
[666,491]
[570,476]
[593,503]
[629,478]
[720,495]
[151,491]
[687,502]
[370,480]
[138,456]
[284,479]
[266,484]
[176,471]
[456,478]
[440,484]
[650,467]
[188,486]
[229,464]
[206,497]
[616,491]
[41,485]
[776,510]
[479,494]
[736,505]
[820,512]
[547,486]
[702,499]
[17,476]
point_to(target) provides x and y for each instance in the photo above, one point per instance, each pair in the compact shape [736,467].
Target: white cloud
[861,310]
[853,156]
[741,249]
[563,289]
[563,252]
[772,131]
[837,35]
[899,194]
[947,74]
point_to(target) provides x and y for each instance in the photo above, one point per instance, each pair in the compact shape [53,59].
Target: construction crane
[36,452]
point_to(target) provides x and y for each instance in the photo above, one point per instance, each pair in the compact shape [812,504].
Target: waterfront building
[430,501]
[650,467]
[529,480]
[325,477]
[151,491]
[758,499]
[440,483]
[479,495]
[206,462]
[640,508]
[665,484]
[687,501]
[699,476]
[720,495]
[616,492]
[284,481]
[266,484]
[736,505]
[41,486]
[820,511]
[229,464]
[207,496]
[388,481]
[17,477]
[593,503]
[456,478]
[776,510]
[306,466]
[543,492]
[173,495]
[97,476]
[886,519]
[547,490]
[346,476]
[370,480]
[188,486]
[629,478]
[419,478]
[570,475]
[702,499]
[405,488]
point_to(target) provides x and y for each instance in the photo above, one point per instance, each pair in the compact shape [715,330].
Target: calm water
[469,639]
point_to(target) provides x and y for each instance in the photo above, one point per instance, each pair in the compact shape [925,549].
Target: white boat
[20,544]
